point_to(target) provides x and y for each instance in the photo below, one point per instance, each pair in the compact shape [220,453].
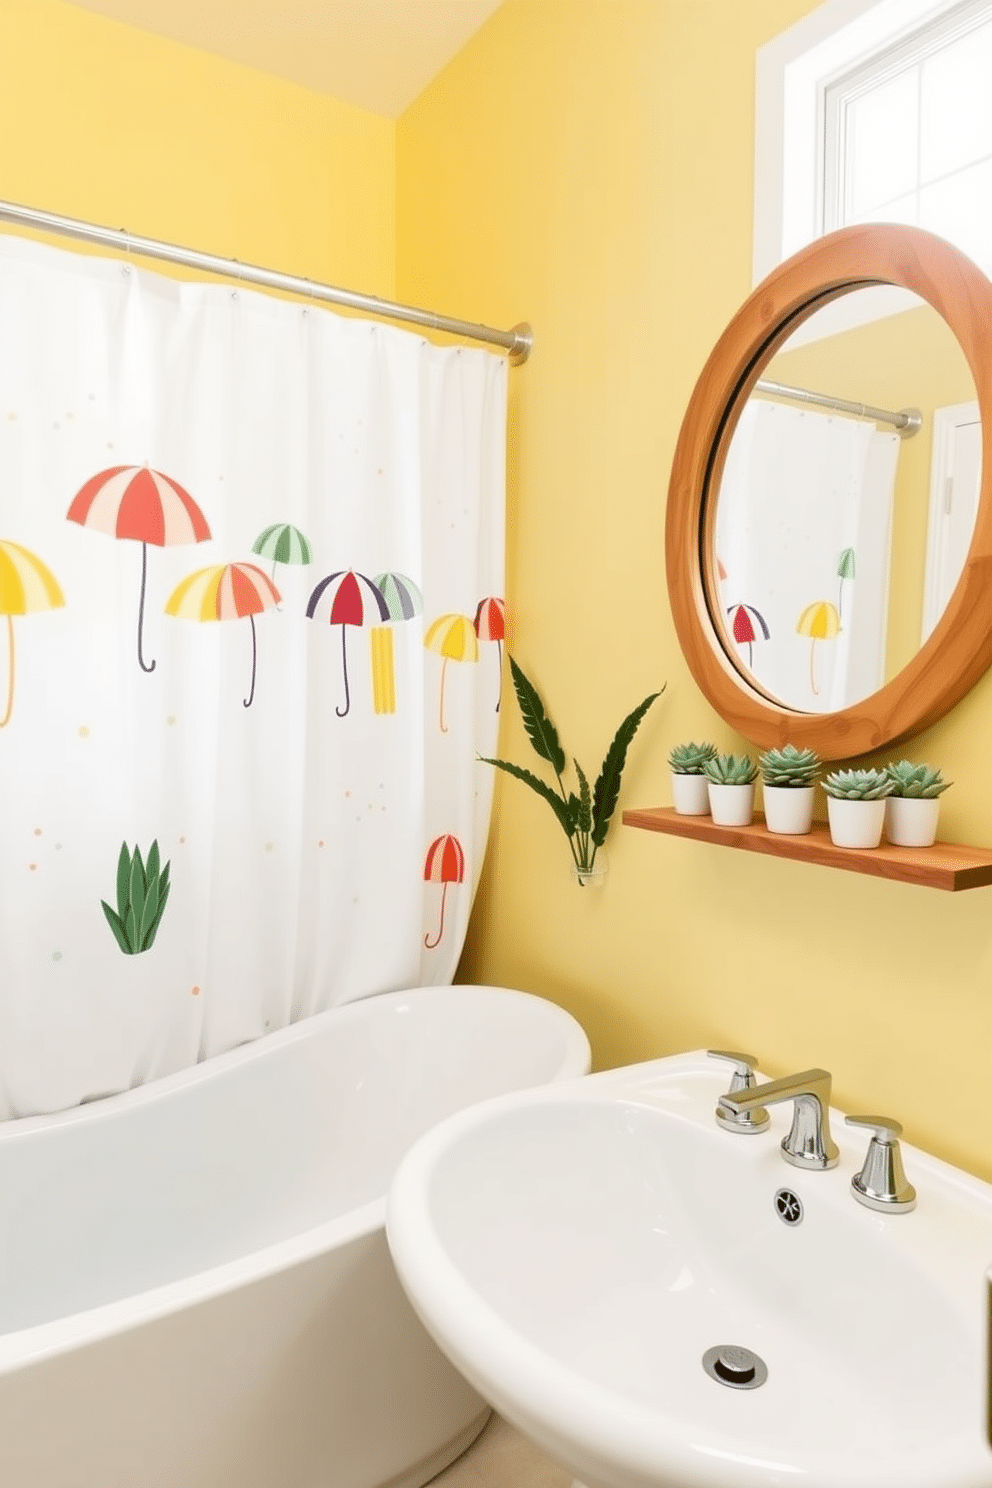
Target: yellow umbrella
[226,591]
[453,638]
[821,622]
[26,586]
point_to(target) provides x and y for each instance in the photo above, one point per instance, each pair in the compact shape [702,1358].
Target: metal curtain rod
[517,341]
[908,421]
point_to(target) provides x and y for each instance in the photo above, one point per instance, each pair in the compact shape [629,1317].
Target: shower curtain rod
[517,341]
[908,421]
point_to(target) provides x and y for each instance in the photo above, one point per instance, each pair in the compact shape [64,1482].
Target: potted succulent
[730,782]
[856,806]
[690,793]
[788,776]
[913,805]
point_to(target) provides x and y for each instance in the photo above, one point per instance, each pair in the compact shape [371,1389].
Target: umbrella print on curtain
[444,864]
[404,601]
[283,544]
[845,570]
[226,591]
[747,625]
[453,638]
[26,586]
[347,598]
[821,622]
[136,502]
[490,625]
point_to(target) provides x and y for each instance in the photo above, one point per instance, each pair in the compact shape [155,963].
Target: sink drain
[736,1367]
[789,1206]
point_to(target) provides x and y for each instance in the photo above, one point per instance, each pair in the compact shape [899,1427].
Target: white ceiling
[376,54]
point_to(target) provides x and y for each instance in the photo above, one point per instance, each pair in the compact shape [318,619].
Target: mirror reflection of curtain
[803,543]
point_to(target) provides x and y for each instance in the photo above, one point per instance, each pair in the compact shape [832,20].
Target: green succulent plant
[584,818]
[920,782]
[731,769]
[858,785]
[142,892]
[689,759]
[790,767]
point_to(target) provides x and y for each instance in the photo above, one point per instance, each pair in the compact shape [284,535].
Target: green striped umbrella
[283,544]
[403,599]
[846,569]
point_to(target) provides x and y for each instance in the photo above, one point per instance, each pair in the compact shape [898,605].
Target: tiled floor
[502,1458]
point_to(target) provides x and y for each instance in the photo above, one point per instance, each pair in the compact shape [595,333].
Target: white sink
[577,1249]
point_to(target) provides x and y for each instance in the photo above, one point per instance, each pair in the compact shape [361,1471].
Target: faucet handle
[881,1183]
[742,1079]
[744,1067]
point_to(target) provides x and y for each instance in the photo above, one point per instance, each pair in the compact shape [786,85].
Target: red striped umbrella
[226,591]
[347,598]
[444,864]
[136,502]
[743,627]
[490,625]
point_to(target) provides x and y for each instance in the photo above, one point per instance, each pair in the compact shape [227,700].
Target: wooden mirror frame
[959,650]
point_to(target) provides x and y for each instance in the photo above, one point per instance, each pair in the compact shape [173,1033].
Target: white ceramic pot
[788,809]
[911,821]
[689,794]
[731,805]
[855,823]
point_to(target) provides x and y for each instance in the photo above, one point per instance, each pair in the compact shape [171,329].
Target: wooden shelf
[946,865]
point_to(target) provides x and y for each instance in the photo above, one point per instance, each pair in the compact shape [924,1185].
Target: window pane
[956,104]
[960,209]
[881,143]
[905,210]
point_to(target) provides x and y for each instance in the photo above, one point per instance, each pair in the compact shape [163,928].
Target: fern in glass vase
[583,815]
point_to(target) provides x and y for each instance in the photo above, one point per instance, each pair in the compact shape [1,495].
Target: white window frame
[790,72]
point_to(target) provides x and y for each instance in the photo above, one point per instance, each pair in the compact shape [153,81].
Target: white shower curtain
[251,622]
[803,539]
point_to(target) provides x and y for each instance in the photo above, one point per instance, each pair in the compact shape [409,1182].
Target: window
[876,110]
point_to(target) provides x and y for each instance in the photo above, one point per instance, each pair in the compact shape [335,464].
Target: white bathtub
[195,1288]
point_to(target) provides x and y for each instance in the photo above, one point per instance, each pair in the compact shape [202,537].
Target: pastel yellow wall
[109,124]
[588,166]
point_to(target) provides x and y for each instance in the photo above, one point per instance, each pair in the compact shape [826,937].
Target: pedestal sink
[579,1251]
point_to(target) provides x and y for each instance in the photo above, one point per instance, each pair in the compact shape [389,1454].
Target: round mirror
[829,527]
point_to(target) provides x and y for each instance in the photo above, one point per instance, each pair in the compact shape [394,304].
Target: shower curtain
[803,539]
[251,623]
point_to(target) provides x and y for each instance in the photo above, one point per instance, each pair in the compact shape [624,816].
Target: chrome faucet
[809,1143]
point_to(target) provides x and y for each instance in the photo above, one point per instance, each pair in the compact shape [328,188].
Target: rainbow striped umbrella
[26,586]
[226,591]
[136,502]
[444,864]
[821,622]
[490,625]
[283,544]
[453,638]
[347,598]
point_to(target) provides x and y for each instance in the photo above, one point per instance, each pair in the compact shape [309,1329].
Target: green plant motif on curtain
[142,894]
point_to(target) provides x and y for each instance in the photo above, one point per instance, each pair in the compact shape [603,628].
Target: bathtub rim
[43,1341]
[103,1107]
